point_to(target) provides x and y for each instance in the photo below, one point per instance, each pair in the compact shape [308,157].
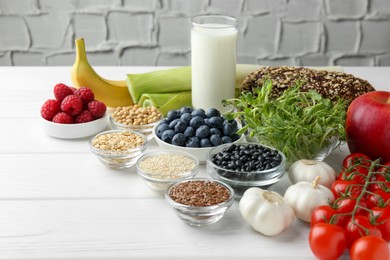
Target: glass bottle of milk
[213,60]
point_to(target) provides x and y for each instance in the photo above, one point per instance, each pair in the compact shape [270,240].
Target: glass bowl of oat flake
[160,169]
[118,149]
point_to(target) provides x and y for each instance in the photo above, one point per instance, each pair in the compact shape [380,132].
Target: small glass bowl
[200,216]
[161,181]
[240,181]
[143,129]
[119,159]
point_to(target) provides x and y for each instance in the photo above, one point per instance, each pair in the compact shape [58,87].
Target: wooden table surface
[57,201]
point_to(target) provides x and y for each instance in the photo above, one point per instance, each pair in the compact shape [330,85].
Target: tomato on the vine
[327,214]
[357,174]
[381,216]
[382,178]
[370,247]
[360,226]
[357,159]
[347,205]
[340,188]
[327,241]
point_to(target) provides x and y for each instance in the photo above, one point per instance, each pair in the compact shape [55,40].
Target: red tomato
[382,221]
[327,241]
[341,188]
[385,196]
[347,205]
[357,159]
[360,226]
[370,247]
[381,175]
[357,174]
[325,214]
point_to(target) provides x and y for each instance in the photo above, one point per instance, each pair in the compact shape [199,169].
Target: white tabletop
[57,201]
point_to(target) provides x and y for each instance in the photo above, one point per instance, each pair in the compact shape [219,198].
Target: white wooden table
[57,201]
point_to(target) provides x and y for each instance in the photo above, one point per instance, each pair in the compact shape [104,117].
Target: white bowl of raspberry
[75,131]
[73,114]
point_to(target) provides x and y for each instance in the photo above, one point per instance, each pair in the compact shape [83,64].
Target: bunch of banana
[113,93]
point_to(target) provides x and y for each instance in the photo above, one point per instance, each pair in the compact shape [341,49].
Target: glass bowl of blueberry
[195,131]
[246,165]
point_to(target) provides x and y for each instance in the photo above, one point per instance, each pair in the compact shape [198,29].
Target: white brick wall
[157,32]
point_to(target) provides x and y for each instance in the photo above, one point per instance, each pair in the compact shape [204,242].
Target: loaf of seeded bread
[329,84]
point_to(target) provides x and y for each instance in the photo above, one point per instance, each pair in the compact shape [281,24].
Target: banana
[113,93]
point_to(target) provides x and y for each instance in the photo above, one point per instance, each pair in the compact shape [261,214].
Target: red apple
[368,125]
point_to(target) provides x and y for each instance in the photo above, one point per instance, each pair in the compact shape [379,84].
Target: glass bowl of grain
[160,169]
[199,201]
[136,118]
[118,149]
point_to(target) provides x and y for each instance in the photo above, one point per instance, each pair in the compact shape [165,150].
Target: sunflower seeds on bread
[329,84]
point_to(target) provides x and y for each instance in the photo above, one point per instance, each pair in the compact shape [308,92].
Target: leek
[173,80]
[166,101]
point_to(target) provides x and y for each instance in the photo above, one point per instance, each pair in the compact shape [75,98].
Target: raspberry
[73,89]
[63,118]
[61,91]
[50,108]
[97,108]
[84,117]
[72,105]
[85,94]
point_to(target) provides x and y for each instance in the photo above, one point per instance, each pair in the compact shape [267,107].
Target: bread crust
[329,84]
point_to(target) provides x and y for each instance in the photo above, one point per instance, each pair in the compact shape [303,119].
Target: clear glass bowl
[161,181]
[119,159]
[320,153]
[143,129]
[200,216]
[240,181]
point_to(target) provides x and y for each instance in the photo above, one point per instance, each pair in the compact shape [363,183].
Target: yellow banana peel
[113,93]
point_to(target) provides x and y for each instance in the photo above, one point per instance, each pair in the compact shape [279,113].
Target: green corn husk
[159,81]
[166,101]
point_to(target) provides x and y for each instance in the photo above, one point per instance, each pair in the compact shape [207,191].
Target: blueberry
[199,112]
[216,122]
[173,123]
[234,123]
[164,121]
[196,121]
[213,112]
[173,114]
[202,132]
[180,127]
[205,142]
[186,117]
[167,136]
[215,131]
[179,139]
[226,139]
[206,121]
[161,128]
[228,129]
[186,109]
[193,142]
[189,131]
[216,140]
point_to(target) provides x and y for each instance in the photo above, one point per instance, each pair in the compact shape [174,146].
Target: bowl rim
[97,120]
[206,149]
[118,125]
[117,153]
[190,209]
[281,168]
[188,174]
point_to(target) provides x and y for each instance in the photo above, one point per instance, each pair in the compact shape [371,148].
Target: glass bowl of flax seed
[200,201]
[160,169]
